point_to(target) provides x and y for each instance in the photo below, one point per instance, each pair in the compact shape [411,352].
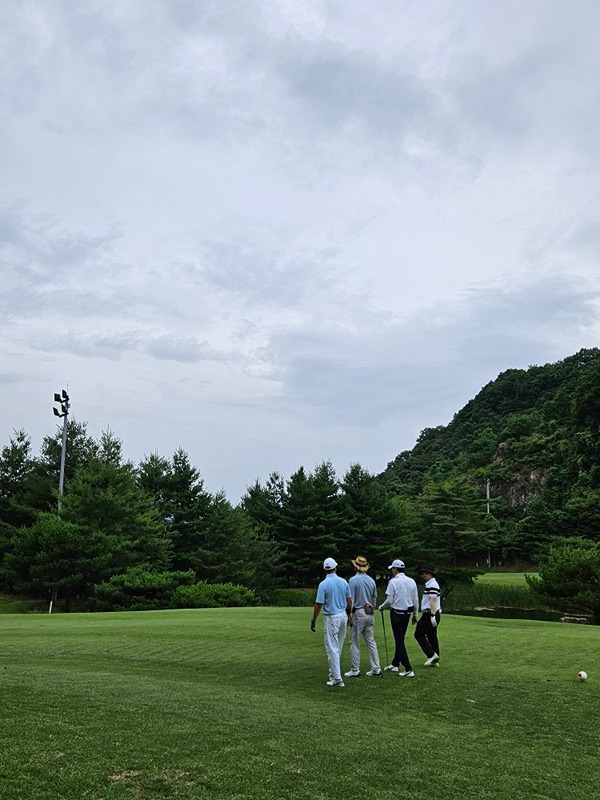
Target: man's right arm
[388,595]
[316,611]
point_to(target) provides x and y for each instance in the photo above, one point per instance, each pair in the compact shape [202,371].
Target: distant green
[517,578]
[232,704]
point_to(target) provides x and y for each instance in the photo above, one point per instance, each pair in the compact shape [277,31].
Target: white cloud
[280,232]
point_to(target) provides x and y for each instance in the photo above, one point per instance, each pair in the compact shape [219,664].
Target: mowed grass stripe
[231,703]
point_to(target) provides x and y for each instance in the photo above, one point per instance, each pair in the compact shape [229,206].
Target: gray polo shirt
[364,590]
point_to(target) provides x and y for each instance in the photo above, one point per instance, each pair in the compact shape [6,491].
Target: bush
[293,597]
[139,590]
[491,594]
[569,575]
[213,595]
[506,601]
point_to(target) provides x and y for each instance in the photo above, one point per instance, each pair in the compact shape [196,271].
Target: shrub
[569,575]
[293,597]
[494,595]
[509,600]
[139,590]
[212,595]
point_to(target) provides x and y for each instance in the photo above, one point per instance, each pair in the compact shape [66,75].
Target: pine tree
[16,467]
[179,496]
[104,497]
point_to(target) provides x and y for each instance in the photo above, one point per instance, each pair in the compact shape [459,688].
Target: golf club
[387,658]
[446,592]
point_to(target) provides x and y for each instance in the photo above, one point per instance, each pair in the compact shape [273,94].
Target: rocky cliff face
[527,482]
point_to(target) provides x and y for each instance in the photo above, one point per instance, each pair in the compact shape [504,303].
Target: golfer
[402,597]
[364,602]
[426,630]
[335,598]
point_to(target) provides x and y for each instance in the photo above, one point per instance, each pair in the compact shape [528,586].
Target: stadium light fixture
[63,400]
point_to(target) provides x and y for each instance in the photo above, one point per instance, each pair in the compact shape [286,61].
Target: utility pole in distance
[487,496]
[63,400]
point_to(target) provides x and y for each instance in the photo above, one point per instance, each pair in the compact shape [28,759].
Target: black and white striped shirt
[431,592]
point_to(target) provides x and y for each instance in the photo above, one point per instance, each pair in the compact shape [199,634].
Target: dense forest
[516,468]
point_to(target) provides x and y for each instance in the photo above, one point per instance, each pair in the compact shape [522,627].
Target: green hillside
[534,435]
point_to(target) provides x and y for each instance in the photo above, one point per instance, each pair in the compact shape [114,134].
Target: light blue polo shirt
[333,593]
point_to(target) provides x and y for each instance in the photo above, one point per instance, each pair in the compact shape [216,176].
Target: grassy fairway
[513,578]
[232,704]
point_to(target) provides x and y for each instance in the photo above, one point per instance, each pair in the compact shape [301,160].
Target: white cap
[397,564]
[329,563]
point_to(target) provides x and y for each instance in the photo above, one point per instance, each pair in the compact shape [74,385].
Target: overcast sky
[279,232]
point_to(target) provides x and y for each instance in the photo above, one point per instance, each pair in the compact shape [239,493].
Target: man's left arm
[434,605]
[372,605]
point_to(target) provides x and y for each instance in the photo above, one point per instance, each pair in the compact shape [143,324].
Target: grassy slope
[232,704]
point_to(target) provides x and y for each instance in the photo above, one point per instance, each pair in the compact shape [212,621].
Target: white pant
[363,624]
[334,628]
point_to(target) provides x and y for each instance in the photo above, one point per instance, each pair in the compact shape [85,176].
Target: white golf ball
[582,675]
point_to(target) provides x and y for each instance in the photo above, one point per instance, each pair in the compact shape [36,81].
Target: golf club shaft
[387,658]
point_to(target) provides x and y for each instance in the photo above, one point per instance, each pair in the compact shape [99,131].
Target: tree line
[157,517]
[516,469]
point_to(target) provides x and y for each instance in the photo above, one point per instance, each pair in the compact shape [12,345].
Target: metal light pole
[63,399]
[487,495]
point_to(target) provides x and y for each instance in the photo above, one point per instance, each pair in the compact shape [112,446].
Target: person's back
[364,590]
[402,598]
[333,593]
[334,598]
[364,600]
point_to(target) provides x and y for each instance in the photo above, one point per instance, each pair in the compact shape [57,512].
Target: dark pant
[400,620]
[426,635]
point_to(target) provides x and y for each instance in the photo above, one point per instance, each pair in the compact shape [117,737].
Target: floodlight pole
[63,399]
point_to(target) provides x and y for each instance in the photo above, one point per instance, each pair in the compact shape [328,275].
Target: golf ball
[582,675]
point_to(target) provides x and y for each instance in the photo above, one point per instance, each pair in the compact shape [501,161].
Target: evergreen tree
[264,504]
[451,523]
[105,498]
[41,491]
[181,500]
[534,530]
[236,551]
[372,522]
[54,557]
[16,467]
[311,523]
[569,576]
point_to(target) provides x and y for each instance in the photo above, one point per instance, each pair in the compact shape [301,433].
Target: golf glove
[434,621]
[312,625]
